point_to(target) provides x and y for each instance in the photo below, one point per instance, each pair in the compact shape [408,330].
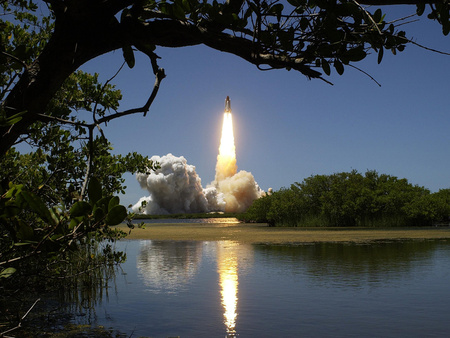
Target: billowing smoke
[176,187]
[238,191]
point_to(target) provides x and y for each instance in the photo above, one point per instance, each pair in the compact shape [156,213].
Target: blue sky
[287,127]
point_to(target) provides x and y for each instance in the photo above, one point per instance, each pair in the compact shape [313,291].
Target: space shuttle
[227,105]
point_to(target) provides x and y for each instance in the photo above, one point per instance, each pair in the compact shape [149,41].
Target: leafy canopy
[351,199]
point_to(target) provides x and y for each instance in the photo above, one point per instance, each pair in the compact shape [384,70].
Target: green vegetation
[57,196]
[351,199]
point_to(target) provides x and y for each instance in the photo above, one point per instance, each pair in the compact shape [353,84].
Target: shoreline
[262,233]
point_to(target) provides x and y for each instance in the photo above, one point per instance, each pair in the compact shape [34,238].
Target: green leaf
[103,203]
[25,231]
[277,9]
[326,67]
[445,27]
[25,243]
[54,216]
[380,54]
[94,190]
[304,23]
[420,8]
[128,55]
[178,11]
[80,208]
[6,273]
[37,205]
[98,214]
[186,6]
[339,67]
[14,119]
[113,202]
[355,54]
[74,222]
[377,15]
[56,237]
[116,215]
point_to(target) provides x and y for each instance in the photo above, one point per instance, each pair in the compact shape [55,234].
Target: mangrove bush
[352,199]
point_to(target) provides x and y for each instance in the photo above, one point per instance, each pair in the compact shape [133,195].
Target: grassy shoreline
[261,233]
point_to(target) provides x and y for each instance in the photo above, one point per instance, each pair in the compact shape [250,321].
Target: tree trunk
[75,41]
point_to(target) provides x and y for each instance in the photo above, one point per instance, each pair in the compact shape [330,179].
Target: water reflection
[167,266]
[227,267]
[170,267]
[212,289]
[346,265]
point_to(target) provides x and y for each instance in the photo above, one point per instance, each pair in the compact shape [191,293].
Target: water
[226,289]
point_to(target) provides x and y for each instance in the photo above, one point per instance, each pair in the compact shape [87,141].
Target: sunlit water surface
[226,289]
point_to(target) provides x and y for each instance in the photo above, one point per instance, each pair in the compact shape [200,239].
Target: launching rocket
[227,105]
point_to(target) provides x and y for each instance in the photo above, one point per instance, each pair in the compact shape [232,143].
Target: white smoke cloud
[239,191]
[176,188]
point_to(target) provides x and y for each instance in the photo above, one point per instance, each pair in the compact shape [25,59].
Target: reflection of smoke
[167,266]
[176,187]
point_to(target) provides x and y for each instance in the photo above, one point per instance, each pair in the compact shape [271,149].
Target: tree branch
[2,334]
[144,109]
[180,34]
[24,65]
[369,16]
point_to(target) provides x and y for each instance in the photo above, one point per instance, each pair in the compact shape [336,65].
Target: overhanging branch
[144,109]
[167,33]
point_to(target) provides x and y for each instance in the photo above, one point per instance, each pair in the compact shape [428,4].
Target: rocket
[227,105]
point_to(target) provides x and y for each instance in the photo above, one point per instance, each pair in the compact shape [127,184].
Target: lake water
[226,289]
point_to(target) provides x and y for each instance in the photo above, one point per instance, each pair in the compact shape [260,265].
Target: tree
[351,199]
[302,35]
[59,197]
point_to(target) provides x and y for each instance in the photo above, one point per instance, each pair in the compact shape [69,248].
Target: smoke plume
[176,187]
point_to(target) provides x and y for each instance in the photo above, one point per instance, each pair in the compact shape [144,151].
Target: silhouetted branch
[2,334]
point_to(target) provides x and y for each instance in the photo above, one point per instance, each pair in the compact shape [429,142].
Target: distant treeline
[351,199]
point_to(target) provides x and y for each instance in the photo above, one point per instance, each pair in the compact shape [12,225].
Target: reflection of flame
[226,160]
[227,265]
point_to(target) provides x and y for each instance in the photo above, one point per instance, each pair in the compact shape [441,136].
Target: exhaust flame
[176,187]
[226,160]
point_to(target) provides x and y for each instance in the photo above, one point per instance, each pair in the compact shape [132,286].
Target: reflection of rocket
[227,105]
